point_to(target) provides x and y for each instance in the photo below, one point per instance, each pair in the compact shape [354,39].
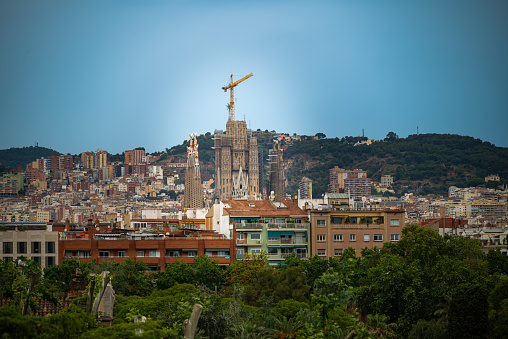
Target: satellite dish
[97,228]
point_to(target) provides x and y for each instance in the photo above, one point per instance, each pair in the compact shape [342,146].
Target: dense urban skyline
[77,76]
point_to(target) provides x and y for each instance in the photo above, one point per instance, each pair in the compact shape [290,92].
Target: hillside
[426,163]
[13,157]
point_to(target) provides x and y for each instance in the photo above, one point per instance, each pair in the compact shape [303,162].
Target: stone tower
[236,163]
[193,194]
[276,175]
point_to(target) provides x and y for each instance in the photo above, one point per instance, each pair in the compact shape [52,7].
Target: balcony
[286,241]
[288,226]
[249,226]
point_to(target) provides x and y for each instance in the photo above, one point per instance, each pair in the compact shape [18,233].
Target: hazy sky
[80,75]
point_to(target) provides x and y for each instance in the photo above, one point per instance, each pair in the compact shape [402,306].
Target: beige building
[35,241]
[94,160]
[334,230]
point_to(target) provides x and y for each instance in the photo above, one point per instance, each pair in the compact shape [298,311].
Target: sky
[77,76]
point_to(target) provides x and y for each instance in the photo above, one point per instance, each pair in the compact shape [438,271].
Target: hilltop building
[193,194]
[236,163]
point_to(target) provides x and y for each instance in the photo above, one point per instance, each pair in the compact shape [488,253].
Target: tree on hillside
[391,136]
[320,135]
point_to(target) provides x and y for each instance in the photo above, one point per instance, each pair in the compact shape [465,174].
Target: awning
[189,249]
[282,245]
[276,234]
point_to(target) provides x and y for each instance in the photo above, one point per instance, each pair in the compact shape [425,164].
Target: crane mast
[231,87]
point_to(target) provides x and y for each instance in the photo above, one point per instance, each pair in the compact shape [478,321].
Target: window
[255,251]
[50,247]
[240,251]
[240,236]
[321,223]
[121,254]
[366,237]
[83,254]
[7,247]
[21,247]
[354,220]
[337,252]
[154,254]
[338,237]
[50,261]
[103,254]
[37,260]
[378,237]
[7,259]
[36,247]
[321,252]
[273,251]
[352,237]
[174,253]
[394,222]
[140,253]
[336,220]
[369,220]
[255,236]
[222,253]
[394,237]
[321,237]
[191,253]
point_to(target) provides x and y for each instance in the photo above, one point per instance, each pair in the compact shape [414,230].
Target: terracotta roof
[262,208]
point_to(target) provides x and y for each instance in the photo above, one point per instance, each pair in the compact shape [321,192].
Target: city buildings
[134,157]
[339,175]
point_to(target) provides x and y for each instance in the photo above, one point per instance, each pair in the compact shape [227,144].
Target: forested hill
[425,163]
[13,157]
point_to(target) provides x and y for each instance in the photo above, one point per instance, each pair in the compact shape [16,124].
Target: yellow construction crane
[231,86]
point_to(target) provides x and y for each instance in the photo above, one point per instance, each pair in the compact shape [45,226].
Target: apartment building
[34,241]
[104,242]
[134,157]
[277,227]
[334,230]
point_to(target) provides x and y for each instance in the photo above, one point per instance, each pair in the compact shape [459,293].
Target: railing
[74,238]
[287,241]
[288,225]
[249,226]
[284,255]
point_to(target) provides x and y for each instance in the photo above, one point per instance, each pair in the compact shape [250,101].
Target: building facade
[334,230]
[279,228]
[339,175]
[193,194]
[305,188]
[236,163]
[34,241]
[276,182]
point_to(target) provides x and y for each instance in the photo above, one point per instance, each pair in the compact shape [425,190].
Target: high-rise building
[236,162]
[193,194]
[94,160]
[276,175]
[134,157]
[338,175]
[305,188]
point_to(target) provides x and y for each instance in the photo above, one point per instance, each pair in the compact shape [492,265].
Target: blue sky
[80,75]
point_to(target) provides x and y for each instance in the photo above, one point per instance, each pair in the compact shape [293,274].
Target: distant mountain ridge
[13,157]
